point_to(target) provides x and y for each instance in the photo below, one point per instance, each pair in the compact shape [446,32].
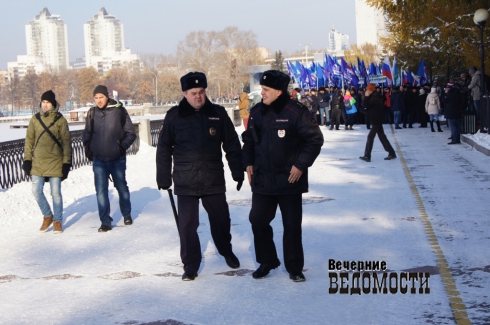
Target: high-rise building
[47,46]
[104,43]
[370,23]
[337,41]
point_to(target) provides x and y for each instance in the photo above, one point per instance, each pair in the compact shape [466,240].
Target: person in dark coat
[421,113]
[373,102]
[454,102]
[337,107]
[107,140]
[282,142]
[193,134]
[323,104]
[409,101]
[397,106]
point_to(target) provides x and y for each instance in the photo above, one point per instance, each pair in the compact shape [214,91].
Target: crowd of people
[404,106]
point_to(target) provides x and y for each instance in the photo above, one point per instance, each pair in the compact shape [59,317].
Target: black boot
[432,126]
[264,269]
[439,126]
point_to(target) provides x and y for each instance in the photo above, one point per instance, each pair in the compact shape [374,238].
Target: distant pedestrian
[433,108]
[243,105]
[337,107]
[454,103]
[397,106]
[47,158]
[421,113]
[373,102]
[108,134]
[475,88]
[350,110]
[323,106]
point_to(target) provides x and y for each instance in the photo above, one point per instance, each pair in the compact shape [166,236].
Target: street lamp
[306,51]
[156,87]
[480,18]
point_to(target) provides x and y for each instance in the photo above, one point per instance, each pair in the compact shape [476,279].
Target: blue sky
[153,26]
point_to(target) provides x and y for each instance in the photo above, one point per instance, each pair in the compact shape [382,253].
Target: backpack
[432,101]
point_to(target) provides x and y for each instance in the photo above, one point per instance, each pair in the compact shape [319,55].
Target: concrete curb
[475,145]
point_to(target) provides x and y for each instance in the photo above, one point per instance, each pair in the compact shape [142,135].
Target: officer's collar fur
[278,104]
[186,109]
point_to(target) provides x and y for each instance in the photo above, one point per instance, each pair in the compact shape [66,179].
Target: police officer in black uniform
[193,133]
[282,140]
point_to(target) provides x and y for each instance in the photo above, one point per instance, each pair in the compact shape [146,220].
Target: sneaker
[128,221]
[297,277]
[189,276]
[232,261]
[46,223]
[57,227]
[105,228]
[264,269]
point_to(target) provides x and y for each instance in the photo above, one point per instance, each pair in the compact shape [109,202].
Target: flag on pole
[386,71]
[396,75]
[422,73]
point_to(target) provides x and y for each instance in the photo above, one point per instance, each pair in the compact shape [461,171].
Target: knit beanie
[371,87]
[101,89]
[50,97]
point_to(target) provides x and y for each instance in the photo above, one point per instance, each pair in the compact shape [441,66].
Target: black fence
[155,127]
[12,156]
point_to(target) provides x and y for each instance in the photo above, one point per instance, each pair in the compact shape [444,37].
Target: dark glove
[65,170]
[27,166]
[239,185]
[163,187]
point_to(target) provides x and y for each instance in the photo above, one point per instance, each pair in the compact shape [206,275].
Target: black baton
[172,203]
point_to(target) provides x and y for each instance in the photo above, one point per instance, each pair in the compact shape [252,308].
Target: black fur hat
[275,79]
[193,80]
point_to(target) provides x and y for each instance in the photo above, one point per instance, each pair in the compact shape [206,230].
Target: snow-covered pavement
[416,213]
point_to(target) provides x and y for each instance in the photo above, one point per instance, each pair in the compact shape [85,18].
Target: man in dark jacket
[373,103]
[337,108]
[397,106]
[454,102]
[323,104]
[108,133]
[193,133]
[282,141]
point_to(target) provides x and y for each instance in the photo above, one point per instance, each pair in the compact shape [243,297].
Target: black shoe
[299,277]
[404,126]
[189,276]
[397,127]
[105,228]
[390,157]
[331,128]
[367,159]
[264,269]
[232,261]
[454,142]
[128,221]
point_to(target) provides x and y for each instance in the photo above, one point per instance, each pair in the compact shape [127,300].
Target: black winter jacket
[108,133]
[286,134]
[375,108]
[194,140]
[454,103]
[397,103]
[338,101]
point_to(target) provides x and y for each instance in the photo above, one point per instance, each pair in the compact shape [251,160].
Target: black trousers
[335,118]
[219,222]
[263,212]
[378,129]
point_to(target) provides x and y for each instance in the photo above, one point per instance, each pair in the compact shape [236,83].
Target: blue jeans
[37,190]
[476,105]
[433,117]
[397,116]
[455,126]
[324,113]
[102,171]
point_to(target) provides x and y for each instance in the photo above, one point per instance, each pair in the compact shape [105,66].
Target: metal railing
[155,127]
[12,157]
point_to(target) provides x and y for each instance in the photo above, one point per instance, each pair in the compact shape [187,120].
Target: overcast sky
[153,26]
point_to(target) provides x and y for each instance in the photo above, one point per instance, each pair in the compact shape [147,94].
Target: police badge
[212,131]
[281,133]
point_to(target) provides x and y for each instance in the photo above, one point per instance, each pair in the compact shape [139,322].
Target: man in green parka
[47,157]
